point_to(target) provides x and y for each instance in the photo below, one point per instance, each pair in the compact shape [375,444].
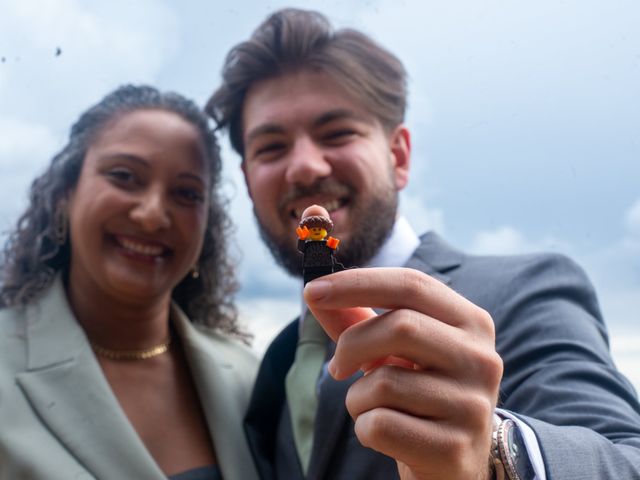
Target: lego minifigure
[317,250]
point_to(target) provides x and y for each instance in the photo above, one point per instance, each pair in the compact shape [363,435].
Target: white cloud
[265,318]
[632,219]
[101,45]
[24,145]
[616,263]
[25,149]
[421,217]
[3,74]
[615,272]
[122,30]
[625,345]
[504,240]
[508,240]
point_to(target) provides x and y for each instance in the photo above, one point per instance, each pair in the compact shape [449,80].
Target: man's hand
[431,370]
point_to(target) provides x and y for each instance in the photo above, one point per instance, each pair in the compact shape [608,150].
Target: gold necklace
[124,355]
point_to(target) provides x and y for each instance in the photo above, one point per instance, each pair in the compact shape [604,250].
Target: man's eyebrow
[323,119]
[339,114]
[267,128]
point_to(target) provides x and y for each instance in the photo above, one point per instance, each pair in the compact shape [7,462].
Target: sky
[525,121]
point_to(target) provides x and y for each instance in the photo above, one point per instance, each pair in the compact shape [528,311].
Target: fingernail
[333,370]
[317,289]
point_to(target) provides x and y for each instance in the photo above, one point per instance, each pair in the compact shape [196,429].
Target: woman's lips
[140,248]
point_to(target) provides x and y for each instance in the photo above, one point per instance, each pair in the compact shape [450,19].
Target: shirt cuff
[530,442]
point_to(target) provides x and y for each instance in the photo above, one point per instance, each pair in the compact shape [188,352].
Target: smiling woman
[118,332]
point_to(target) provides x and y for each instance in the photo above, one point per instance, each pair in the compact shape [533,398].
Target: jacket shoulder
[489,280]
[233,349]
[13,353]
[13,334]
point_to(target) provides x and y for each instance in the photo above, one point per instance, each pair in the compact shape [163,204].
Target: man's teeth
[330,206]
[142,249]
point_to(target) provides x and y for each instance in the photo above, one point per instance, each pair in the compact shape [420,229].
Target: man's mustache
[331,188]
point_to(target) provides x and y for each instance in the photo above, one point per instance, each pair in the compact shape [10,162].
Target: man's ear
[243,166]
[400,147]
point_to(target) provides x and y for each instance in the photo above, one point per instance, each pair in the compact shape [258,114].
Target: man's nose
[307,163]
[151,211]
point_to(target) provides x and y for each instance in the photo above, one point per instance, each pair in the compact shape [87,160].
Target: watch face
[514,454]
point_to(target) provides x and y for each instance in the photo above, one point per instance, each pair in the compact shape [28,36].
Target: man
[471,363]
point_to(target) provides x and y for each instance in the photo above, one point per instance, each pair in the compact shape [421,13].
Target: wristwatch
[509,459]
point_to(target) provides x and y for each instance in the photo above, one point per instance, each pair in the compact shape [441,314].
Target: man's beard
[371,225]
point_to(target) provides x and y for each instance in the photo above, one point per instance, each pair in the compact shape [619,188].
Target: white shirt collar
[398,248]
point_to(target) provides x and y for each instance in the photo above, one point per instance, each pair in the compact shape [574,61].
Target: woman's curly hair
[34,254]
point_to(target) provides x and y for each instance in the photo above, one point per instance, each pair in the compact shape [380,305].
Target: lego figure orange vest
[318,250]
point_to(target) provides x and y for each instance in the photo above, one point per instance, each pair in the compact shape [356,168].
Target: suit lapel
[434,257]
[268,399]
[67,389]
[331,419]
[217,368]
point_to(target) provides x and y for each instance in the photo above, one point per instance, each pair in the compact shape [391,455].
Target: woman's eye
[121,175]
[190,196]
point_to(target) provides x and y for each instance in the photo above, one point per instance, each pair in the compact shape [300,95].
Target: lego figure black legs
[317,250]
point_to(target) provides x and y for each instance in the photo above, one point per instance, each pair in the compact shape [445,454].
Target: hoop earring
[195,272]
[61,223]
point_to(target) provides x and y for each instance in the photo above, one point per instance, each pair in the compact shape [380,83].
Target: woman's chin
[138,288]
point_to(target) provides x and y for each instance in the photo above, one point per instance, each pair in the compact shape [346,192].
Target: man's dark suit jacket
[559,377]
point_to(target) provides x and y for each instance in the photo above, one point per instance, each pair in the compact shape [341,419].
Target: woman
[102,373]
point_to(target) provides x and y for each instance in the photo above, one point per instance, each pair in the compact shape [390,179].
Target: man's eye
[266,152]
[269,148]
[340,134]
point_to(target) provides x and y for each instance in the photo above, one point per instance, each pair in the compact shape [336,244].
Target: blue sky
[525,119]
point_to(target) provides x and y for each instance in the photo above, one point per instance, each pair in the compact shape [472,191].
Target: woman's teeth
[140,248]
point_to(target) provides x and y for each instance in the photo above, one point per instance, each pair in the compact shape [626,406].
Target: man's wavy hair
[33,255]
[292,40]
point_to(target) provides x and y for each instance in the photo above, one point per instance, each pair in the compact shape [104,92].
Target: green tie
[301,385]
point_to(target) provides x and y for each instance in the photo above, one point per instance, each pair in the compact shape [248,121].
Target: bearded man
[469,367]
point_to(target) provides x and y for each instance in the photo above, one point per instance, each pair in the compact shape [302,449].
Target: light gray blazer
[59,418]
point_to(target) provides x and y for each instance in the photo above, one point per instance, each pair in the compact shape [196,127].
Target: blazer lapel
[217,369]
[332,418]
[434,257]
[66,387]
